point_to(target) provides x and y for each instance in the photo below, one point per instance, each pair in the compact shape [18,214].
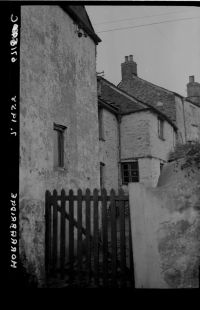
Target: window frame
[130,170]
[161,166]
[100,124]
[161,128]
[59,161]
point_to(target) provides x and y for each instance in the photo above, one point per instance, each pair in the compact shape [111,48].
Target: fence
[88,239]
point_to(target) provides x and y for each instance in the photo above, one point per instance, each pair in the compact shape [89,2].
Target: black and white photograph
[104,135]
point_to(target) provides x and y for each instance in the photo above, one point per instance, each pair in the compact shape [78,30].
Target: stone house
[147,123]
[135,138]
[59,145]
[183,111]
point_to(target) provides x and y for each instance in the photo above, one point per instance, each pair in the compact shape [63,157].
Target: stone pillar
[144,223]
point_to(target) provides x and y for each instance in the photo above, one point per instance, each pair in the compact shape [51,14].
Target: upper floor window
[100,120]
[59,145]
[161,167]
[160,128]
[130,172]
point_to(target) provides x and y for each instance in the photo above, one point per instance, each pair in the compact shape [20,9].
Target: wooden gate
[88,239]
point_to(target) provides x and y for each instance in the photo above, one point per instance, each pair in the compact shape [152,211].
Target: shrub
[190,152]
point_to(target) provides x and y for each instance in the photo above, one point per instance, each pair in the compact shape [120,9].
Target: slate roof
[79,14]
[127,103]
[156,96]
[102,102]
[119,98]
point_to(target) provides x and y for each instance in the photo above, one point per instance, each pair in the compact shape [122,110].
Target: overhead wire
[149,24]
[140,17]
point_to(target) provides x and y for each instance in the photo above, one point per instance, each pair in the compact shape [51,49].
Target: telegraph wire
[163,35]
[144,25]
[140,17]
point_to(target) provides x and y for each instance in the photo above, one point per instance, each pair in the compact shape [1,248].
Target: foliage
[190,152]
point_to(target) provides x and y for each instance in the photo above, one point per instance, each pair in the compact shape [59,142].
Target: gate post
[144,223]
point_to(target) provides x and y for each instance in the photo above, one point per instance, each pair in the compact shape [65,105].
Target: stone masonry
[57,85]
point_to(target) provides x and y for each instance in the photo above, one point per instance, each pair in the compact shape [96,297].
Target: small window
[100,120]
[59,145]
[161,128]
[102,168]
[161,167]
[130,172]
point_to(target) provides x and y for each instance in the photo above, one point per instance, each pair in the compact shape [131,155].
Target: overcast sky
[166,52]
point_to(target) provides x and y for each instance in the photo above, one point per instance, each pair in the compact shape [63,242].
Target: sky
[166,53]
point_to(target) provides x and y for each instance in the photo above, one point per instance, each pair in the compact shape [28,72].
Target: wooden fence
[88,239]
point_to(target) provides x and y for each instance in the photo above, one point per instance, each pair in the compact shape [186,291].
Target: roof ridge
[142,102]
[165,89]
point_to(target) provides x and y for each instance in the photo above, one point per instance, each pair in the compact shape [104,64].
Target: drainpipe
[119,149]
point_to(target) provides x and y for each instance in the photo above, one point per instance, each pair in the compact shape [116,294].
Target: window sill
[60,169]
[102,139]
[161,138]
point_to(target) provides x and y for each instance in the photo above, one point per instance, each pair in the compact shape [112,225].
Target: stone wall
[57,84]
[187,120]
[109,150]
[139,139]
[135,135]
[160,148]
[180,120]
[149,169]
[166,229]
[192,121]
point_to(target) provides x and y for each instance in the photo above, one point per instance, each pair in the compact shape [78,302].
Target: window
[161,128]
[59,145]
[102,167]
[161,167]
[100,119]
[130,172]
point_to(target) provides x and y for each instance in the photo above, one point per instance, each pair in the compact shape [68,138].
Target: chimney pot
[130,57]
[191,79]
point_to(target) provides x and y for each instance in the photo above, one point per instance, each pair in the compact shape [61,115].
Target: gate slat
[113,238]
[55,231]
[93,243]
[79,241]
[96,239]
[62,234]
[105,237]
[88,234]
[71,235]
[47,232]
[122,239]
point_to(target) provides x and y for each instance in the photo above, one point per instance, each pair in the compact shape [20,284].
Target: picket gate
[88,239]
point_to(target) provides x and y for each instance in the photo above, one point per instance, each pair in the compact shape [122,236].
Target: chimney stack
[191,79]
[130,57]
[193,90]
[128,68]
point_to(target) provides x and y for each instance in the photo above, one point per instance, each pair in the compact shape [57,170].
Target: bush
[190,152]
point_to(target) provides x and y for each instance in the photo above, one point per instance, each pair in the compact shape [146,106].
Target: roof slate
[126,102]
[158,97]
[111,94]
